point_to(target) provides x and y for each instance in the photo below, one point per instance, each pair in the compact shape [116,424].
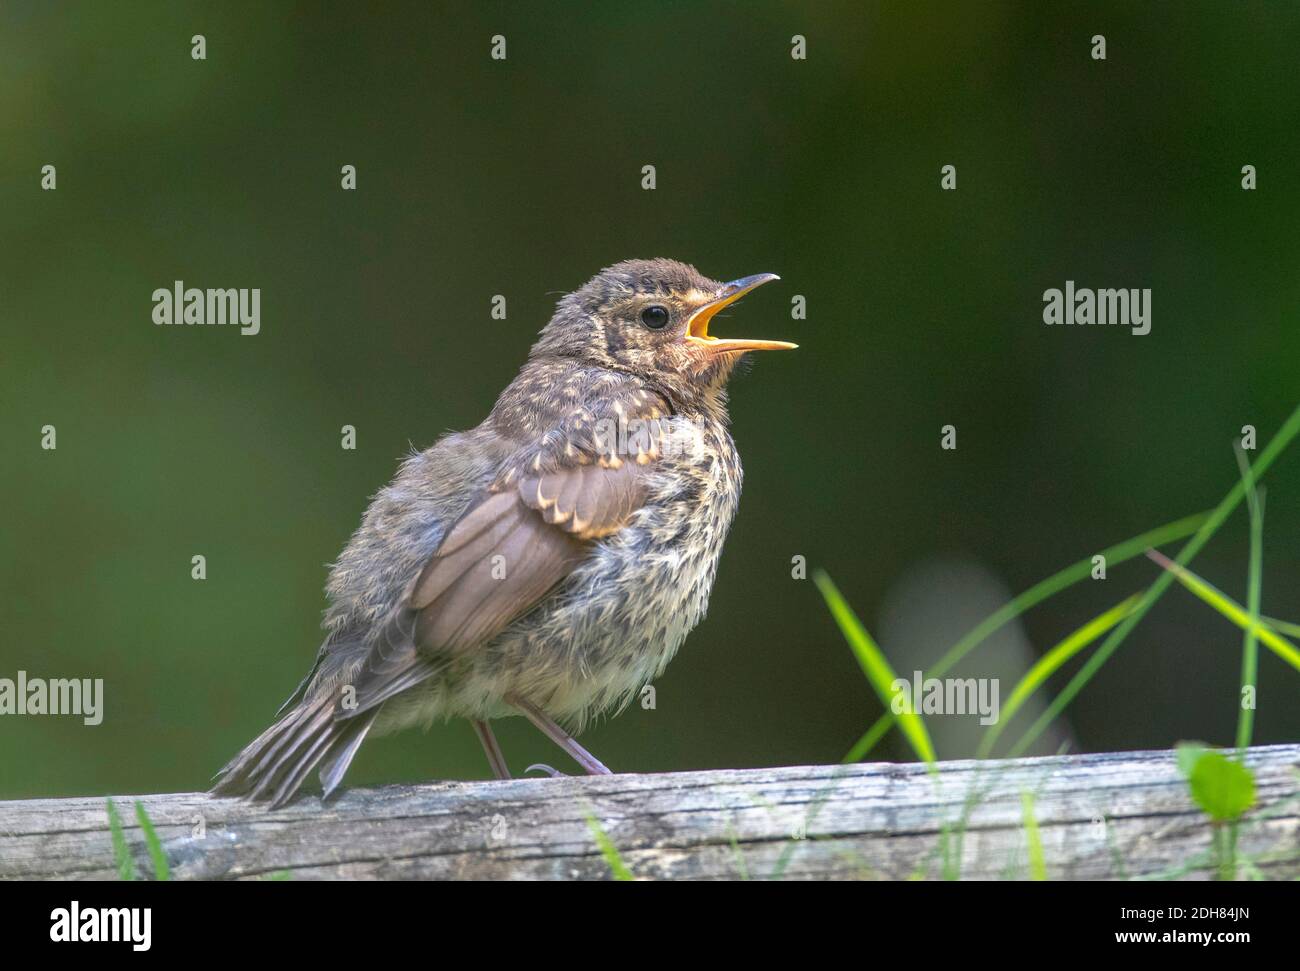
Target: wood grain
[1118,815]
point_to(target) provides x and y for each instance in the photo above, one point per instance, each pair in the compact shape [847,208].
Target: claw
[539,766]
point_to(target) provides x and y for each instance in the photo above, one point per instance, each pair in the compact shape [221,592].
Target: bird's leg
[495,757]
[589,762]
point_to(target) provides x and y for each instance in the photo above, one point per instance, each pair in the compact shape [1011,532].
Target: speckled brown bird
[549,562]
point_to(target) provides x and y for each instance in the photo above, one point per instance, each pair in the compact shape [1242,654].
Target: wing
[513,547]
[502,557]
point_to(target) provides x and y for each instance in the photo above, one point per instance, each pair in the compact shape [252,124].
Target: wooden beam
[1109,816]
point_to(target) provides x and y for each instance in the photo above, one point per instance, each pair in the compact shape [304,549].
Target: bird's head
[651,318]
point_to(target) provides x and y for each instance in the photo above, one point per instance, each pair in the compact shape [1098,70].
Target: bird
[547,563]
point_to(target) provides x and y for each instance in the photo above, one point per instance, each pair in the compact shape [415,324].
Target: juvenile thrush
[549,562]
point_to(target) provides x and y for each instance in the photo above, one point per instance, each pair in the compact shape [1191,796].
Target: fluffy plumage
[559,552]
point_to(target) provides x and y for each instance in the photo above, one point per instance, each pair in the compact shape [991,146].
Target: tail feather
[281,786]
[342,751]
[311,731]
[274,765]
[283,761]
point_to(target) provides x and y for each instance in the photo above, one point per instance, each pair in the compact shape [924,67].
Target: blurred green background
[478,177]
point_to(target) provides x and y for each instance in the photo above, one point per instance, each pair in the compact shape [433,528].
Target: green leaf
[161,869]
[121,852]
[1223,788]
[876,667]
[1188,754]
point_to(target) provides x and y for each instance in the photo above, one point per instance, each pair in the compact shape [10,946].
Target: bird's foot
[590,764]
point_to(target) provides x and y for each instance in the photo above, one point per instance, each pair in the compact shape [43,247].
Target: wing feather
[492,580]
[499,560]
[589,501]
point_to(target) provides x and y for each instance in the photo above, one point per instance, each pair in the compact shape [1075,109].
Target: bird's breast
[618,619]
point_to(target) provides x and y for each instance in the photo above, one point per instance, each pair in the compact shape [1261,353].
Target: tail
[274,765]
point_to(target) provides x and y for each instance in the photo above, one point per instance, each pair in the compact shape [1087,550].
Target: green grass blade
[121,852]
[161,869]
[1035,595]
[1254,581]
[1049,663]
[1037,861]
[876,668]
[1280,441]
[1281,626]
[1225,605]
[736,853]
[607,849]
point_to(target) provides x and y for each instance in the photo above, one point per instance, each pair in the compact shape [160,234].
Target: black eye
[655,317]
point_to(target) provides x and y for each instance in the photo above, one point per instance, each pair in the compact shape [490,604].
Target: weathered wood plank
[1115,815]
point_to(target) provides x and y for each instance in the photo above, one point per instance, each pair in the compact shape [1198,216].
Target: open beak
[697,329]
